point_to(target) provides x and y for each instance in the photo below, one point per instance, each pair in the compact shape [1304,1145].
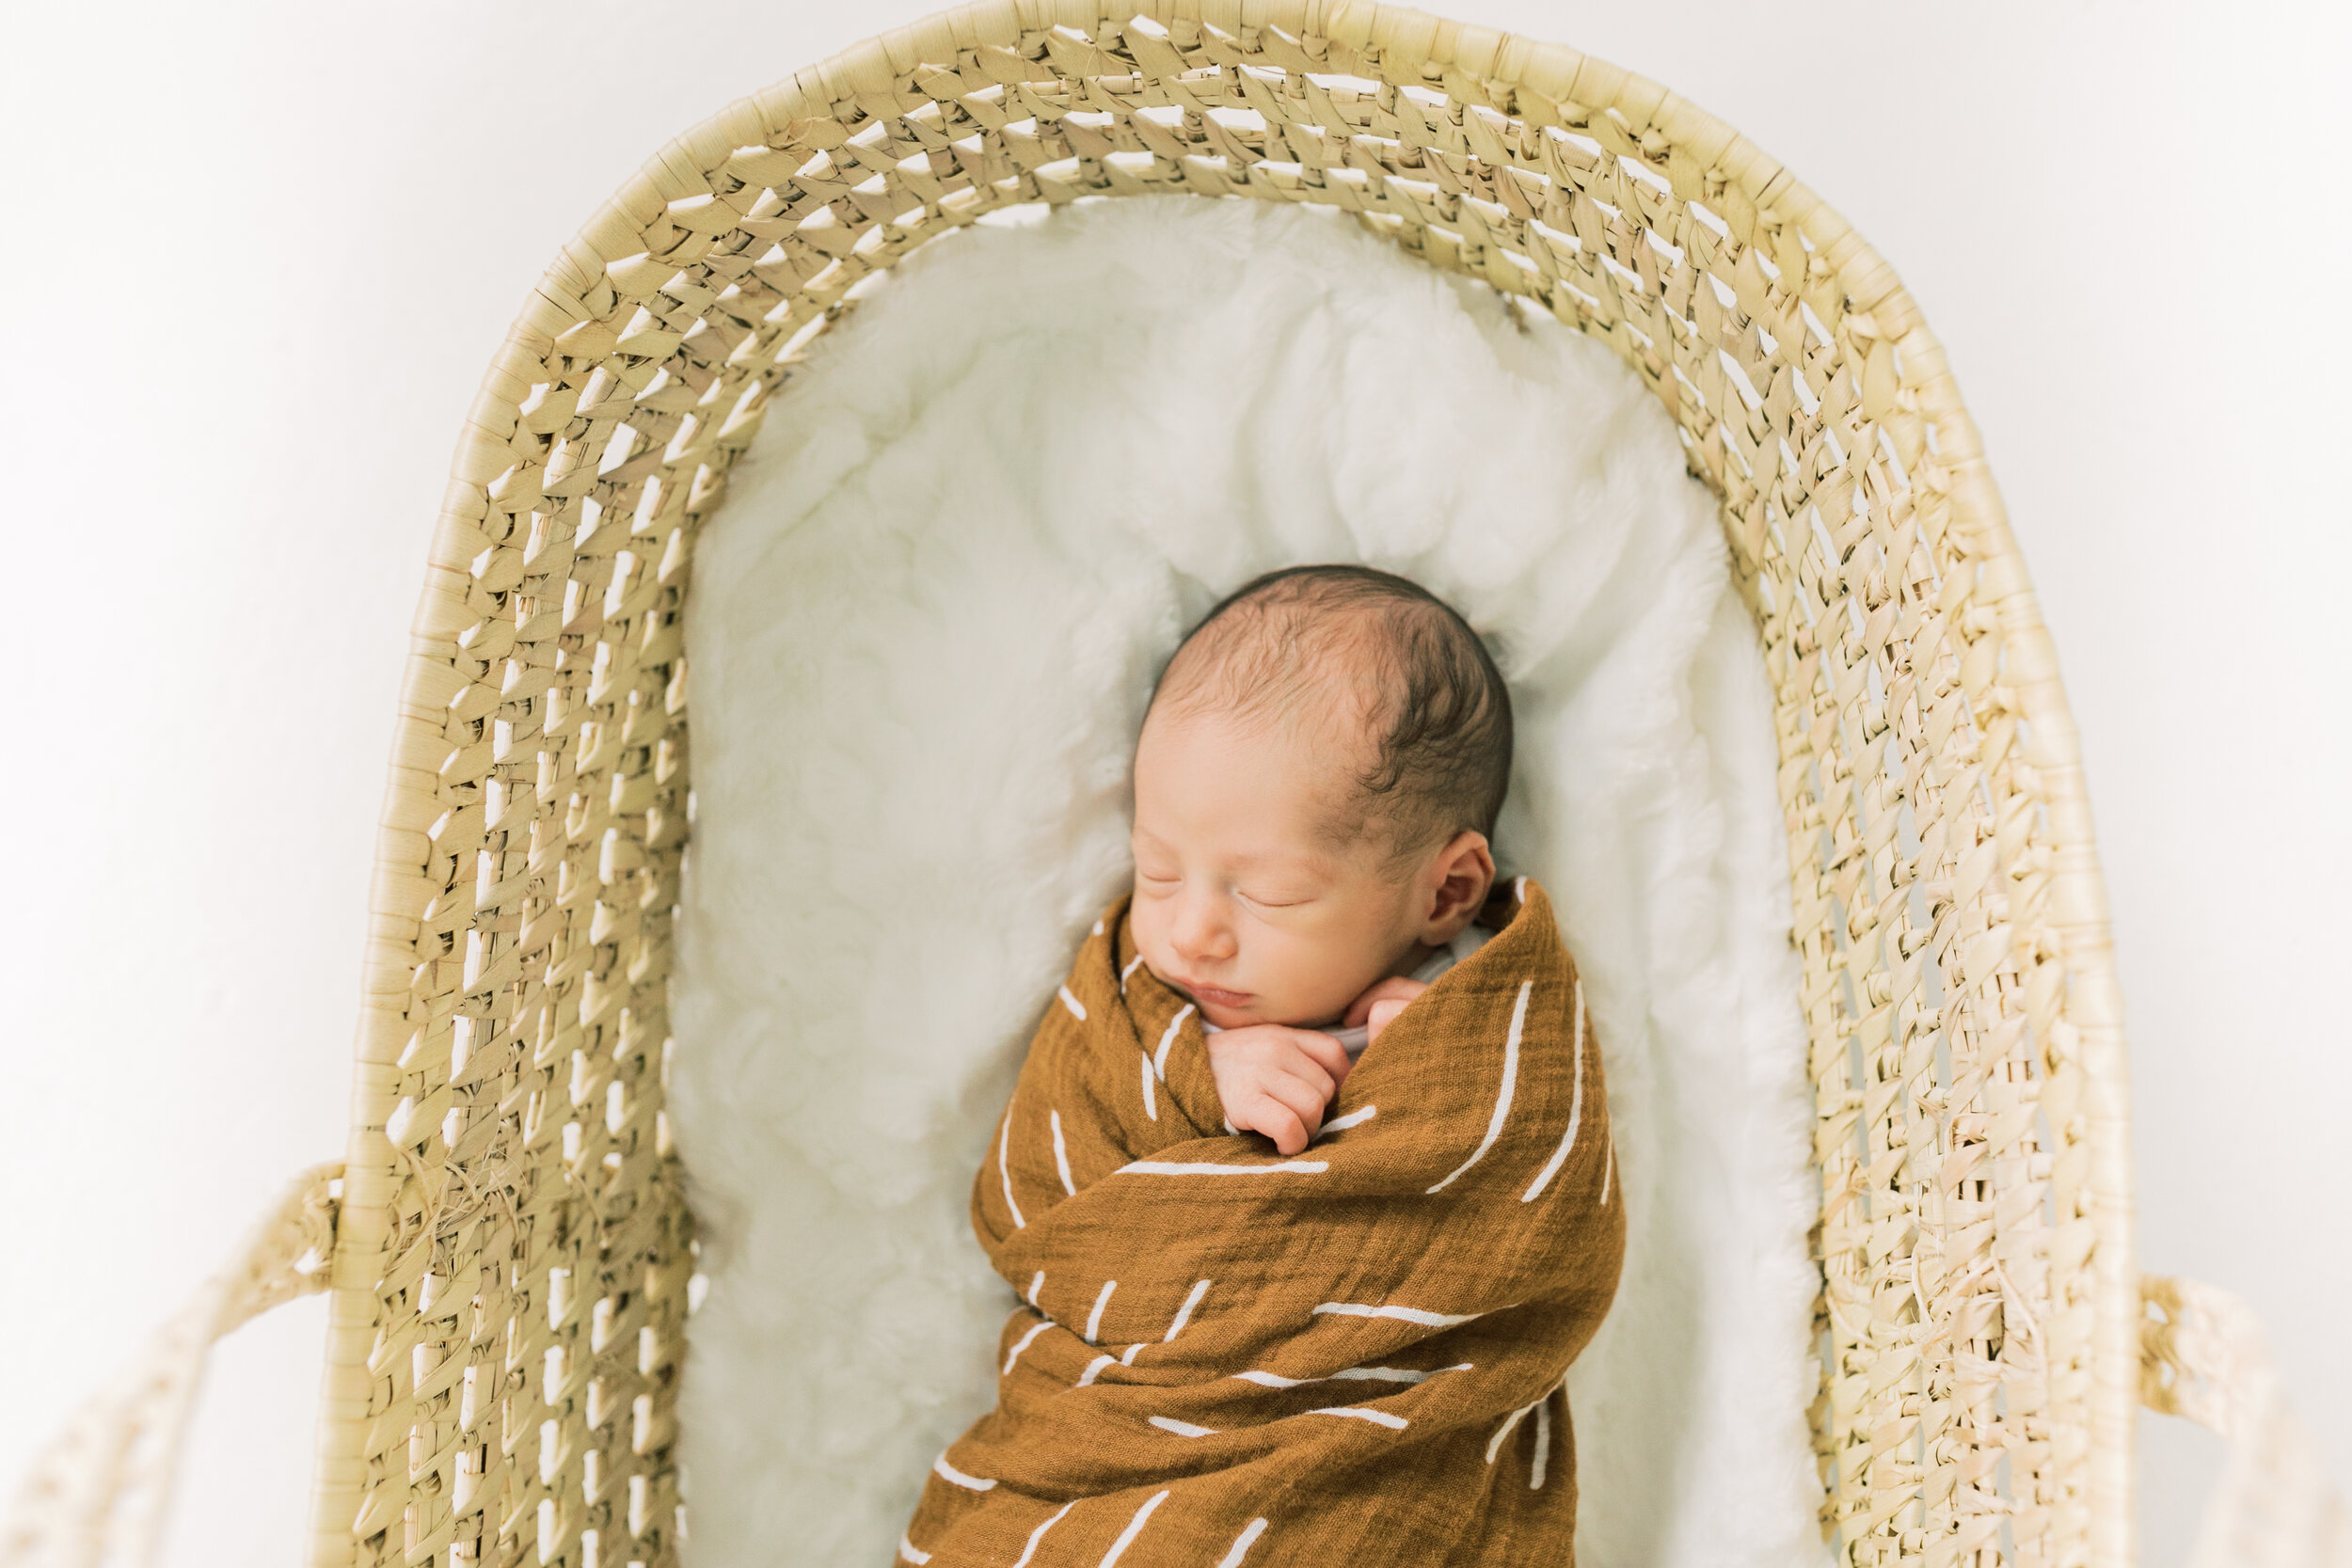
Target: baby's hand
[1277,1079]
[1379,1005]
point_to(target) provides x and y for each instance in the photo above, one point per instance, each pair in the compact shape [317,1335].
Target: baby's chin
[1228,1017]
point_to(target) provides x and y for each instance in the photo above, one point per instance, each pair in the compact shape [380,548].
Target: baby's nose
[1200,935]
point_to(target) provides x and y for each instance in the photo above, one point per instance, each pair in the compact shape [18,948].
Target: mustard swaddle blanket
[1356,1354]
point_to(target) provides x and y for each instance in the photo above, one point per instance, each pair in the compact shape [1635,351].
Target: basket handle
[100,1490]
[2202,1355]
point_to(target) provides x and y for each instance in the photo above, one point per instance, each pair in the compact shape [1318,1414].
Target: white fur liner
[921,637]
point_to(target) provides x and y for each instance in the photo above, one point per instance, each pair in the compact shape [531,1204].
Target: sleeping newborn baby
[1316,782]
[1306,1189]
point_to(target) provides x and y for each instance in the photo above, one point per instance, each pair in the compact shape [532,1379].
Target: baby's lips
[1216,996]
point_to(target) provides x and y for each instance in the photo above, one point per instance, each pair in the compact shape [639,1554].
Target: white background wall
[257,255]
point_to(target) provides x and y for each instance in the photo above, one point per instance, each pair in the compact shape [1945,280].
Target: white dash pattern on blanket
[1274,1380]
[1349,1374]
[1510,1424]
[907,1551]
[1025,1341]
[1150,1096]
[1377,1417]
[1183,1313]
[1004,1140]
[1182,1429]
[1392,1374]
[1576,1110]
[1038,1534]
[1341,1124]
[1543,1446]
[1135,1527]
[1502,1100]
[1095,1369]
[1242,1544]
[1061,1154]
[1402,1314]
[1077,1009]
[1204,1167]
[1094,1319]
[1167,1038]
[949,1473]
[1494,1444]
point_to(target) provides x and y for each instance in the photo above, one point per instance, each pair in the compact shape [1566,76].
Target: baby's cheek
[1150,944]
[1316,978]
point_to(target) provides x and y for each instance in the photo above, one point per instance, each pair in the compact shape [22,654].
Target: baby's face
[1242,900]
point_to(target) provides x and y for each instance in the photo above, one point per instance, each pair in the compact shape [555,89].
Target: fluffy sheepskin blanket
[922,634]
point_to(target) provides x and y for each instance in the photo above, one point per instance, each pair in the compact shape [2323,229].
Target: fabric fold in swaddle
[1224,1355]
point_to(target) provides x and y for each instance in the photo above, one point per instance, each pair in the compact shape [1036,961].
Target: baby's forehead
[1288,775]
[1307,682]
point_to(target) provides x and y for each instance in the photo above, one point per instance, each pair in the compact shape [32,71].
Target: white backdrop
[260,253]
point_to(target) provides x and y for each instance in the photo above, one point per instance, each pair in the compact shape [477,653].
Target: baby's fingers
[1285,1107]
[1325,1053]
[1395,987]
[1383,1013]
[1262,1113]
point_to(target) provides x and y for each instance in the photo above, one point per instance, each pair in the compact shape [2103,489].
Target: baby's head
[1315,787]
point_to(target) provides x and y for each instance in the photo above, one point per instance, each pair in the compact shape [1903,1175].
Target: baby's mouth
[1217,997]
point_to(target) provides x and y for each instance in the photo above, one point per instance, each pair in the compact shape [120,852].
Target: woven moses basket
[507,1247]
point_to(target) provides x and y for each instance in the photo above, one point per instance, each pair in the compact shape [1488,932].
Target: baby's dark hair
[1436,707]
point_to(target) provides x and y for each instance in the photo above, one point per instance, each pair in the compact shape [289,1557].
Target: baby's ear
[1460,876]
